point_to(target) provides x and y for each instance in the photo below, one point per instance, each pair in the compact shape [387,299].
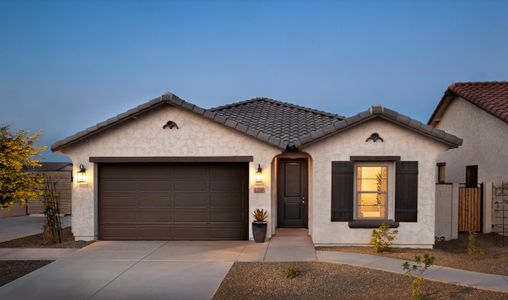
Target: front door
[292,202]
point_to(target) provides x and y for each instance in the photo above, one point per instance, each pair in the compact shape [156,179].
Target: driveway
[18,227]
[136,270]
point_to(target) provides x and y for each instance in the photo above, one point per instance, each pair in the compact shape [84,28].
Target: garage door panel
[159,215]
[226,200]
[190,185]
[233,185]
[173,201]
[120,185]
[191,199]
[120,201]
[154,199]
[228,216]
[192,216]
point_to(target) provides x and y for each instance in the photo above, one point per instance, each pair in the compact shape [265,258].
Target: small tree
[382,238]
[17,151]
[419,267]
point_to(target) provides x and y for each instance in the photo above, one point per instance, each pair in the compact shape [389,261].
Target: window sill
[372,223]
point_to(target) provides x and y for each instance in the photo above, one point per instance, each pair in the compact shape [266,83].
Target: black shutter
[406,191]
[342,190]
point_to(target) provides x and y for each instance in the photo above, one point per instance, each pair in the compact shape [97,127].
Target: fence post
[487,207]
[455,211]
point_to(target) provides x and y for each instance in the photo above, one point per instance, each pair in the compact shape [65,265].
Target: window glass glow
[371,191]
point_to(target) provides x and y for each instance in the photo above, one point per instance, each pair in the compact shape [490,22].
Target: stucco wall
[397,141]
[144,136]
[485,143]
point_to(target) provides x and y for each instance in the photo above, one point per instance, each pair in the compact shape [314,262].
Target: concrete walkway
[35,253]
[18,227]
[290,244]
[483,281]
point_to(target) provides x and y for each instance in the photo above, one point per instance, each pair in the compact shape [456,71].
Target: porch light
[81,176]
[259,175]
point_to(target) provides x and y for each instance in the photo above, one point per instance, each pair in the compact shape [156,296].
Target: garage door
[173,201]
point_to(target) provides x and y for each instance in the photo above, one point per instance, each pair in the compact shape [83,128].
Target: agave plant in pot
[259,225]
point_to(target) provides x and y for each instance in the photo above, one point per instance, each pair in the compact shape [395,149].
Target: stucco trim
[169,159]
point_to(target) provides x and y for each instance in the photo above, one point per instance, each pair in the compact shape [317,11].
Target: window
[471,176]
[441,172]
[371,191]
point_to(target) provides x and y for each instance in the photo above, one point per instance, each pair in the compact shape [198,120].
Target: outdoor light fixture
[259,175]
[81,176]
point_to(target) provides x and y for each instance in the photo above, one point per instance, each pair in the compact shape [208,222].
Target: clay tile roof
[489,96]
[284,121]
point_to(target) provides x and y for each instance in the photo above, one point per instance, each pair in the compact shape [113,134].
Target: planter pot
[259,231]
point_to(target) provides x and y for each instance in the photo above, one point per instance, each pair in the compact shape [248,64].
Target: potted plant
[259,225]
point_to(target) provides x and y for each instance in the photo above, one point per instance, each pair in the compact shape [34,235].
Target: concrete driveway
[18,227]
[136,270]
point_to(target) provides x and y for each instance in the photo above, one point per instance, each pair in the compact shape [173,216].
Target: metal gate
[470,209]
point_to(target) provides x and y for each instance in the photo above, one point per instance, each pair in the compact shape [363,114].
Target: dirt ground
[453,253]
[332,281]
[13,269]
[35,241]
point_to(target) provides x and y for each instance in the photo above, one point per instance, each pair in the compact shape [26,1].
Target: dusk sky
[65,66]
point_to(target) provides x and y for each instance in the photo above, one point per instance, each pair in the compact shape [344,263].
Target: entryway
[292,192]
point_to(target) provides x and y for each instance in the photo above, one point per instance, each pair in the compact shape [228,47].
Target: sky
[65,66]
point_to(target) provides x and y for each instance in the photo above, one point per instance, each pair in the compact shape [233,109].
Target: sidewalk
[498,283]
[35,253]
[18,227]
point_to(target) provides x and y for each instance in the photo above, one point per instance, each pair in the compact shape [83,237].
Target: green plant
[419,266]
[17,152]
[260,215]
[292,271]
[472,248]
[382,238]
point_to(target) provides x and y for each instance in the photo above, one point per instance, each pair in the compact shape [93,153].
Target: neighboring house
[60,173]
[170,170]
[477,112]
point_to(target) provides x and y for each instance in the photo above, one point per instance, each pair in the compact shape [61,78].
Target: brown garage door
[173,201]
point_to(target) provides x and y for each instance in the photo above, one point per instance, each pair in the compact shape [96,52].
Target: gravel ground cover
[318,280]
[452,253]
[35,241]
[13,269]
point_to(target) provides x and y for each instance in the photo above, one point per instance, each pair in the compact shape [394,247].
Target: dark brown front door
[187,201]
[292,192]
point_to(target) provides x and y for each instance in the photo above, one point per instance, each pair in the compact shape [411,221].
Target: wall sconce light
[259,175]
[81,176]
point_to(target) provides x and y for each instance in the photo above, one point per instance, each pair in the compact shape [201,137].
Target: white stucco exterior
[398,141]
[485,143]
[144,136]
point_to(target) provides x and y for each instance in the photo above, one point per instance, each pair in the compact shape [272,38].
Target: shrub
[419,266]
[260,215]
[382,238]
[292,271]
[472,248]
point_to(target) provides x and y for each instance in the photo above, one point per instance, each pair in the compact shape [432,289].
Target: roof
[53,167]
[490,96]
[378,111]
[281,120]
[283,125]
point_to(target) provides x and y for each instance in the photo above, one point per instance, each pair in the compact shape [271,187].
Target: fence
[470,209]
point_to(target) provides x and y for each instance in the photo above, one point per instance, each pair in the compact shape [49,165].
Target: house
[60,174]
[170,170]
[477,112]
